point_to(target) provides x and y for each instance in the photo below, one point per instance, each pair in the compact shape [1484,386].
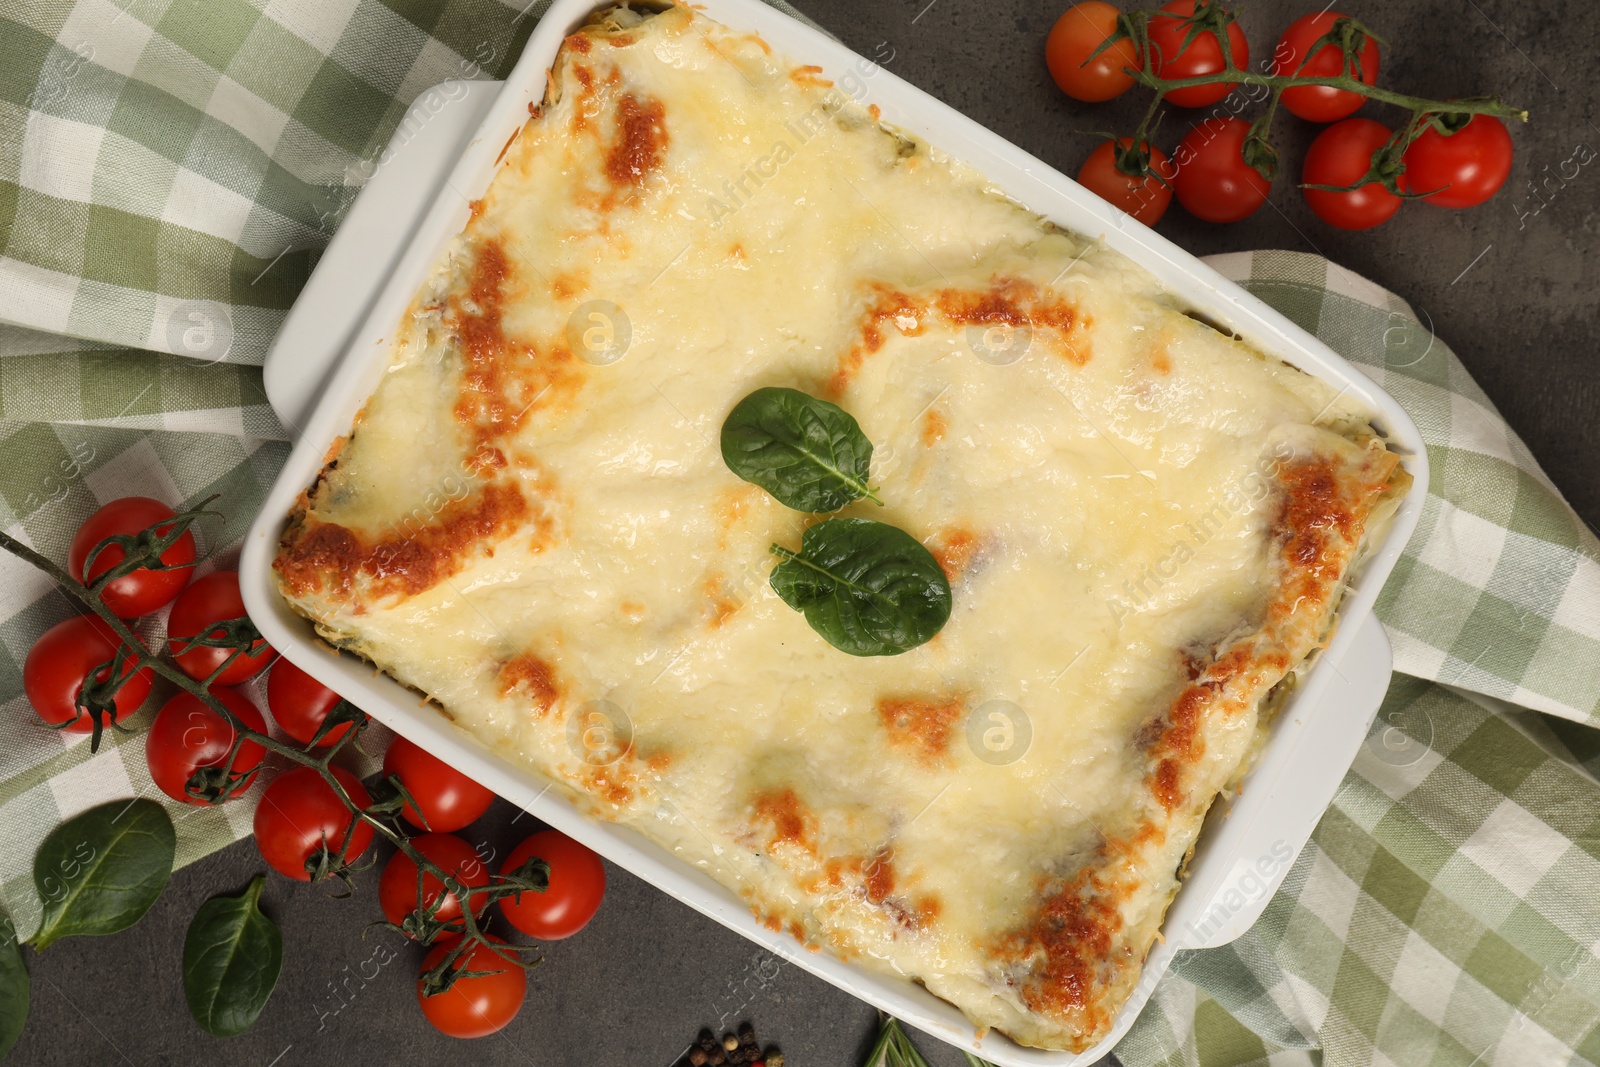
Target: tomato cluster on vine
[315,820]
[1194,54]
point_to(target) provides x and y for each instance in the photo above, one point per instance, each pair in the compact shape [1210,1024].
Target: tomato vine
[1346,34]
[214,785]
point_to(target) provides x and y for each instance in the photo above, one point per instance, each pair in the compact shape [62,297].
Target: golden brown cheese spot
[922,725]
[1319,520]
[641,140]
[791,822]
[632,610]
[578,42]
[416,563]
[878,876]
[934,427]
[954,550]
[1014,303]
[733,506]
[887,306]
[1162,362]
[723,605]
[1065,945]
[568,284]
[501,381]
[476,321]
[318,556]
[531,678]
[1007,303]
[485,461]
[582,108]
[315,551]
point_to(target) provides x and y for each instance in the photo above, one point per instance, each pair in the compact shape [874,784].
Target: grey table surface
[1511,286]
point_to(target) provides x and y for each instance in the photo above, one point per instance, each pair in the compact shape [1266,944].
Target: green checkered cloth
[168,171]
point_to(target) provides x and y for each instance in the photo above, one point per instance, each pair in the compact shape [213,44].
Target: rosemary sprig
[894,1049]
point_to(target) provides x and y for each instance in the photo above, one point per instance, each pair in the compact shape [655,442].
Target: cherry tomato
[1467,167]
[1146,199]
[209,601]
[474,1007]
[144,590]
[59,663]
[187,736]
[1340,155]
[299,704]
[1170,59]
[577,885]
[1077,33]
[1213,181]
[1321,103]
[300,816]
[397,889]
[449,799]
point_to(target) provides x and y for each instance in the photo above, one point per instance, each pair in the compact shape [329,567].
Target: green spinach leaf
[231,959]
[101,871]
[869,588]
[13,986]
[808,453]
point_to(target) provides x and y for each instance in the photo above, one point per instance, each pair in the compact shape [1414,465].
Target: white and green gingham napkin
[168,171]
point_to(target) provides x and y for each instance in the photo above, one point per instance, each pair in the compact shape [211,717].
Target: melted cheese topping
[1145,523]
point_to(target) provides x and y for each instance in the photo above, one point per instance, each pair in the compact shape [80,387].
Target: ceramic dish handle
[403,183]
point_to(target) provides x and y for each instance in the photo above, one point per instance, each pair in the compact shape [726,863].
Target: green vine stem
[382,816]
[1347,35]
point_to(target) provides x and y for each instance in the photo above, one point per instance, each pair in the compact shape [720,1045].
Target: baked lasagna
[1145,523]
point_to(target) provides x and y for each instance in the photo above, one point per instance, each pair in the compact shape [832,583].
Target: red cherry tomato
[577,885]
[397,889]
[299,704]
[144,590]
[1340,155]
[1213,181]
[60,662]
[449,799]
[1467,167]
[474,1007]
[1146,199]
[1076,34]
[1321,103]
[187,736]
[300,815]
[1170,59]
[209,601]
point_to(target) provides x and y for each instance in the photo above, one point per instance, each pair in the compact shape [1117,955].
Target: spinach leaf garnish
[870,589]
[809,454]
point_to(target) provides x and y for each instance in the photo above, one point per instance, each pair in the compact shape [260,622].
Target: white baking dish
[1240,860]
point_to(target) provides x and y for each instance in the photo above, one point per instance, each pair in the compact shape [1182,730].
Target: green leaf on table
[869,588]
[13,986]
[808,453]
[101,871]
[231,959]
